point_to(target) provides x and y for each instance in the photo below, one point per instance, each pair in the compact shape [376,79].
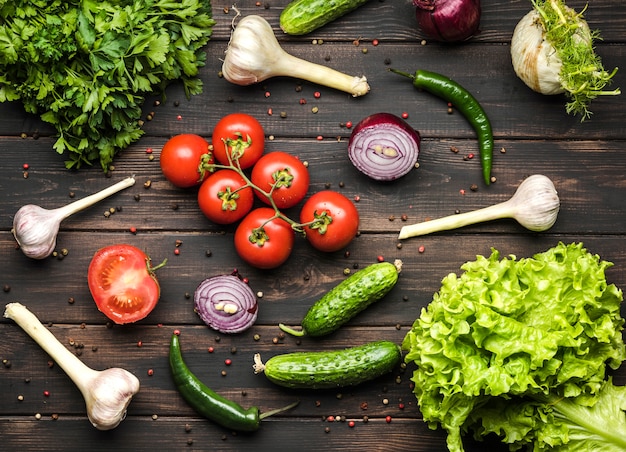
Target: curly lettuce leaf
[542,326]
[554,424]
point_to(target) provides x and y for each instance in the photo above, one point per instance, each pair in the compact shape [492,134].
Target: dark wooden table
[586,161]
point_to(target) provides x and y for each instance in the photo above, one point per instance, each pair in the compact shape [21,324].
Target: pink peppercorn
[25,166]
[150,372]
[317,94]
[176,251]
[351,424]
[349,124]
[46,393]
[388,419]
[421,249]
[228,362]
[405,115]
[177,332]
[380,258]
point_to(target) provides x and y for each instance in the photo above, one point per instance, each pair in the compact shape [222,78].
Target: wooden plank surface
[533,135]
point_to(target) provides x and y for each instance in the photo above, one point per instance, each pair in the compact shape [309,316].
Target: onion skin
[226,304]
[384,147]
[448,20]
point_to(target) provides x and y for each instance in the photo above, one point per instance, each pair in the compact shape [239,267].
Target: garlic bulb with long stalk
[35,229]
[107,392]
[552,51]
[535,205]
[254,55]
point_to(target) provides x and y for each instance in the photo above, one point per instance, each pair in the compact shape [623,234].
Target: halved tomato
[123,284]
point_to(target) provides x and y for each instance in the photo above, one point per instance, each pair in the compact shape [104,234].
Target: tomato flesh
[122,283]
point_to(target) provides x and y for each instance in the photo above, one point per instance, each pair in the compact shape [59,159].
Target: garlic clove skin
[35,229]
[108,395]
[535,60]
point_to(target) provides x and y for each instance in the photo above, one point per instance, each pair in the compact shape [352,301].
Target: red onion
[226,303]
[448,20]
[384,146]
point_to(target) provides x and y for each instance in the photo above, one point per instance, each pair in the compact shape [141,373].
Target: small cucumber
[334,369]
[347,299]
[303,16]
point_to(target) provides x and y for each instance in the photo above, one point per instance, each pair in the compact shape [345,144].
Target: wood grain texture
[533,134]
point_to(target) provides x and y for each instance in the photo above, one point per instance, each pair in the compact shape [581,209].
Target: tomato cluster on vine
[234,171]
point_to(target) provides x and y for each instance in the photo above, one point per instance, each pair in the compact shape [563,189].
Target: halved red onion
[226,303]
[448,20]
[384,146]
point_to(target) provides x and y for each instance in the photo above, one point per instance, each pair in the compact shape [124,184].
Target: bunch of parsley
[85,66]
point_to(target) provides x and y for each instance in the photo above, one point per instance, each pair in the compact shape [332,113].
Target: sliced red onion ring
[226,303]
[384,147]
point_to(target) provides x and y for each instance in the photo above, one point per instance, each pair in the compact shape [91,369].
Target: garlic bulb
[535,205]
[35,229]
[107,392]
[254,55]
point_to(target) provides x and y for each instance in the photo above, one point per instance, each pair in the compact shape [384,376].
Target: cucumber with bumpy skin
[303,16]
[333,369]
[347,299]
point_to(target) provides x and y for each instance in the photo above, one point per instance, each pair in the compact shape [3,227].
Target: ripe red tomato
[181,159]
[266,247]
[122,282]
[285,171]
[224,197]
[336,220]
[245,137]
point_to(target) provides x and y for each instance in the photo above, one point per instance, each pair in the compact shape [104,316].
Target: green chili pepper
[209,404]
[451,91]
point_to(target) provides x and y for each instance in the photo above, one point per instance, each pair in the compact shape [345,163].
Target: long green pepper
[209,404]
[449,90]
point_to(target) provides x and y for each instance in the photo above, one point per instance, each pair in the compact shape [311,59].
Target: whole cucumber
[333,369]
[303,16]
[347,299]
